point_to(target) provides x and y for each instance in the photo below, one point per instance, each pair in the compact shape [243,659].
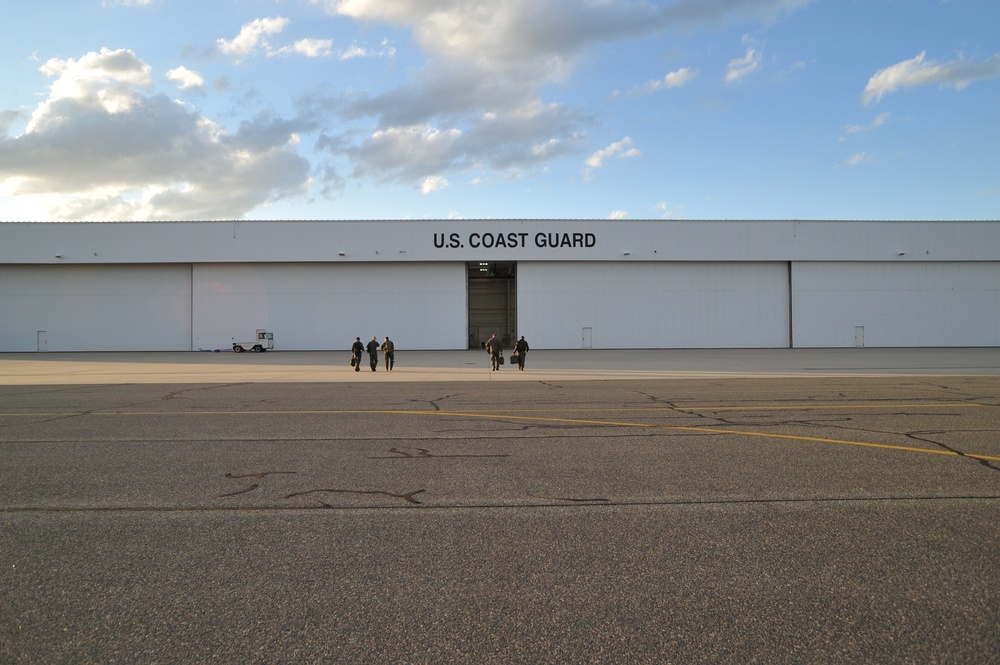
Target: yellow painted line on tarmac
[578,421]
[472,412]
[807,407]
[866,444]
[788,407]
[767,435]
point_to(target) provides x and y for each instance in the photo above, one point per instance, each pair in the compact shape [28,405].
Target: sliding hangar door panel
[653,305]
[897,304]
[95,308]
[325,306]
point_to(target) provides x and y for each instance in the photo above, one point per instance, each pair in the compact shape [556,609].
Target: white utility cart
[264,342]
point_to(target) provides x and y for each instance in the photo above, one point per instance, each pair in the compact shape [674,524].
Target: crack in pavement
[916,437]
[423,453]
[408,496]
[572,503]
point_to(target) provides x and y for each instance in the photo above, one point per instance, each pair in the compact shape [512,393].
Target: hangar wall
[178,286]
[896,304]
[325,306]
[95,308]
[654,305]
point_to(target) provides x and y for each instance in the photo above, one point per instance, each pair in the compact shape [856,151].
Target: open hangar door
[653,305]
[492,302]
[896,304]
[325,306]
[95,308]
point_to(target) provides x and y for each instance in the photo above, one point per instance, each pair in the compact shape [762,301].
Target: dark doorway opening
[492,302]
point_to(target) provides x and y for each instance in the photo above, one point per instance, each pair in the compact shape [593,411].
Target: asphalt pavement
[772,506]
[540,365]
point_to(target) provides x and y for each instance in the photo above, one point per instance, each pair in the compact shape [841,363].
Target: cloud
[714,12]
[508,141]
[256,36]
[665,212]
[114,75]
[918,71]
[741,67]
[486,66]
[618,214]
[860,158]
[386,51]
[515,32]
[103,144]
[879,120]
[253,37]
[185,78]
[674,79]
[622,149]
[8,118]
[101,147]
[433,183]
[411,153]
[313,48]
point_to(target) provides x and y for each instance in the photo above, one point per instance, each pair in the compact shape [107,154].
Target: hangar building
[449,284]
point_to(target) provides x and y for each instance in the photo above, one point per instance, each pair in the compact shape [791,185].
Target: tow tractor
[264,341]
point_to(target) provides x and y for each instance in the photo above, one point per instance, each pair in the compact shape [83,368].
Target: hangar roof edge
[508,240]
[503,219]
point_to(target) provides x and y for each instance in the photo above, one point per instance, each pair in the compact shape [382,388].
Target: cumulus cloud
[618,214]
[489,61]
[410,152]
[313,48]
[508,142]
[515,32]
[433,183]
[254,36]
[257,36]
[8,118]
[918,71]
[102,147]
[109,80]
[103,144]
[185,78]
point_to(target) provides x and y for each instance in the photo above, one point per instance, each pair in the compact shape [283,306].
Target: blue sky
[412,109]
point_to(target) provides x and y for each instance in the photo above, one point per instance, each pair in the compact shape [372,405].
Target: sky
[503,109]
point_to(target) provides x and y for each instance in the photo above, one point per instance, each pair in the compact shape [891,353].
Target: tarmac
[541,365]
[780,506]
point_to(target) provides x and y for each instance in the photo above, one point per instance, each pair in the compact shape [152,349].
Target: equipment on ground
[264,341]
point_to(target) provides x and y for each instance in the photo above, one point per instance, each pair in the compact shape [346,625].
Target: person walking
[495,349]
[520,351]
[356,350]
[373,353]
[389,354]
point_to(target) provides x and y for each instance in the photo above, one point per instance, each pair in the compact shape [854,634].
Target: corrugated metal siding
[898,304]
[95,308]
[325,306]
[654,305]
[640,284]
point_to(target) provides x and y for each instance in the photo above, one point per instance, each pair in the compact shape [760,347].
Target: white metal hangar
[449,284]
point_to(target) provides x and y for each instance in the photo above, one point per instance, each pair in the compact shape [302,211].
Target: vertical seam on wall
[791,310]
[191,307]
